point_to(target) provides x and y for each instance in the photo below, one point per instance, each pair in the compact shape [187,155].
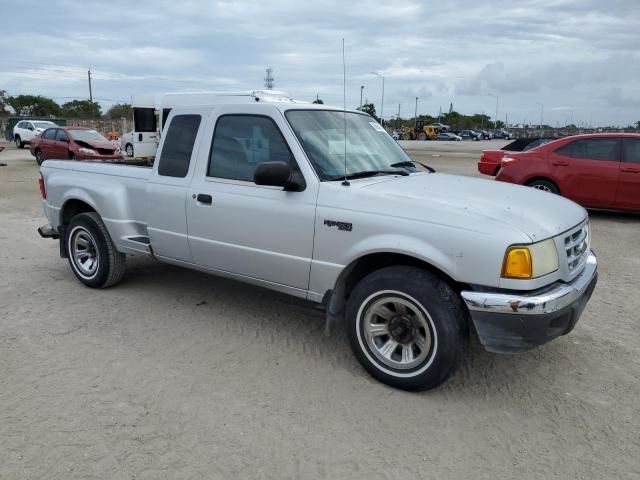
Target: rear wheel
[422,136]
[39,156]
[407,327]
[92,255]
[544,185]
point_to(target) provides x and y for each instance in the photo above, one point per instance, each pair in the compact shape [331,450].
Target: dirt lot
[174,374]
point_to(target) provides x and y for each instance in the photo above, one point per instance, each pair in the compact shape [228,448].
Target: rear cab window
[177,148]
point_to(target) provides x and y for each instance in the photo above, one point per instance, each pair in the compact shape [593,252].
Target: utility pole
[541,114]
[495,121]
[361,90]
[381,101]
[398,115]
[90,92]
[415,115]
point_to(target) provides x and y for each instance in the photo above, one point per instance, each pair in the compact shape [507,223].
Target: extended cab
[323,204]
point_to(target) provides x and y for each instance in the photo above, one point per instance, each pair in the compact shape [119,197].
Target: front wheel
[92,255]
[19,142]
[39,156]
[407,327]
[129,150]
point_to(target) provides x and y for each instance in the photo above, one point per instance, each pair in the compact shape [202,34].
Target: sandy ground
[174,374]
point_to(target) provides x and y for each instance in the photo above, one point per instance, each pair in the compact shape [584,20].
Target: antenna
[344,114]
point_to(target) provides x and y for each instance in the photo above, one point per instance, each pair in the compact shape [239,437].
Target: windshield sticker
[377,126]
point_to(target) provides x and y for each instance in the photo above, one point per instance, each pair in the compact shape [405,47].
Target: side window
[178,145]
[50,134]
[21,125]
[241,142]
[591,149]
[61,136]
[631,150]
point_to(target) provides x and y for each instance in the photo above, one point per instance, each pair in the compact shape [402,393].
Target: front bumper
[517,322]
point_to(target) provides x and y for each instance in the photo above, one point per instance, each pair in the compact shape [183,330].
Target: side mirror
[278,174]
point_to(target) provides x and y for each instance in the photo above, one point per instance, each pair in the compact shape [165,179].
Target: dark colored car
[469,135]
[484,134]
[489,162]
[502,133]
[596,171]
[73,143]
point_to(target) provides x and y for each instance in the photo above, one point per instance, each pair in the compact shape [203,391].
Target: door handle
[206,199]
[630,170]
[560,163]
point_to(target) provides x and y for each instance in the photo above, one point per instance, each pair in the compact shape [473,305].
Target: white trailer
[150,112]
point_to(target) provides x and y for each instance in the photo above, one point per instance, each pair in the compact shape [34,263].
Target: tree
[120,110]
[638,125]
[4,100]
[370,109]
[81,109]
[318,101]
[34,106]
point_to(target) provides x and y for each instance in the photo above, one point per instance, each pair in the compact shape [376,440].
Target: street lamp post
[541,114]
[415,115]
[361,89]
[382,100]
[495,122]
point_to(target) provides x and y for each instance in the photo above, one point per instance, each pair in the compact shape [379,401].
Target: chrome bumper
[540,302]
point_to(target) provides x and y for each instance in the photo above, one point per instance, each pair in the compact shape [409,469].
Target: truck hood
[539,215]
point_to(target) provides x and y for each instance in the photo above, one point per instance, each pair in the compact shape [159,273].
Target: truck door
[167,188]
[145,132]
[236,226]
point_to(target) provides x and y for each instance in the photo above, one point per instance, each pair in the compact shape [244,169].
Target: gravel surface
[178,375]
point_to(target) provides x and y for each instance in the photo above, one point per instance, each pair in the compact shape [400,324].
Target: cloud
[578,54]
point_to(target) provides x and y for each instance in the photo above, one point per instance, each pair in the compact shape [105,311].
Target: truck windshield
[368,146]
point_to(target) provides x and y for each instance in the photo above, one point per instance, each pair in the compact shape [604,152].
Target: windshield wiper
[371,173]
[411,163]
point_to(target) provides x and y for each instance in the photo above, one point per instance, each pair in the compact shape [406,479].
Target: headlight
[89,151]
[530,261]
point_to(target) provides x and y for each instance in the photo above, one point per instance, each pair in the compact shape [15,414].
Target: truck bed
[116,190]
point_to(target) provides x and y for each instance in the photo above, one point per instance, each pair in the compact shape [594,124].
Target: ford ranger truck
[321,203]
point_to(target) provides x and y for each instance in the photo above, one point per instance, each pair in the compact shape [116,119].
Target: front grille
[105,151]
[576,246]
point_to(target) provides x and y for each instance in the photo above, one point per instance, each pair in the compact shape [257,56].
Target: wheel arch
[532,179]
[335,299]
[71,208]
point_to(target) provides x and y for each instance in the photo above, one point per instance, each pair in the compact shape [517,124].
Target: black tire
[422,136]
[426,297]
[39,156]
[19,142]
[109,263]
[545,185]
[128,149]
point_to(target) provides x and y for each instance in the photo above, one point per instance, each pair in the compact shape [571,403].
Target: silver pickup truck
[324,205]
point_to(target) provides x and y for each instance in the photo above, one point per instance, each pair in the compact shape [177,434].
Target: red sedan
[596,171]
[74,143]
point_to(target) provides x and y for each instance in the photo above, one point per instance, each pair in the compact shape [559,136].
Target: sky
[565,60]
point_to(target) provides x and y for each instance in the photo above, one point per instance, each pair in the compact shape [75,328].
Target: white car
[126,143]
[25,130]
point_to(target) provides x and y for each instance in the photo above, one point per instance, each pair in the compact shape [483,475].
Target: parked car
[489,162]
[502,133]
[448,137]
[485,134]
[396,135]
[26,130]
[73,143]
[469,135]
[126,144]
[596,171]
[256,191]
